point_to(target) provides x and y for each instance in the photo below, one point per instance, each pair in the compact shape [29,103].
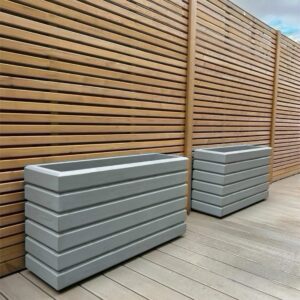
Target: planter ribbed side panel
[227,179]
[86,216]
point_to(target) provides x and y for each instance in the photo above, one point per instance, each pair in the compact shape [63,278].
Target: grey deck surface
[252,254]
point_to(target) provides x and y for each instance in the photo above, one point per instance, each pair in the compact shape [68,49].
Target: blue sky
[283,15]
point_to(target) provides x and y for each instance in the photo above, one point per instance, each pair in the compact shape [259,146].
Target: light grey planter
[86,216]
[227,179]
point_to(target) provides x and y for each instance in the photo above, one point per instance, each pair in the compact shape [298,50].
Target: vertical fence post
[190,85]
[274,102]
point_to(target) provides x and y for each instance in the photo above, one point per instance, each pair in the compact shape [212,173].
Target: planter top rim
[233,149]
[104,163]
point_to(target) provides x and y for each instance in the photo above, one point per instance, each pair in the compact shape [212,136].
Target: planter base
[228,209]
[60,280]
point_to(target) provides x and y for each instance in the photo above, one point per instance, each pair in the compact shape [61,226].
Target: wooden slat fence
[83,79]
[234,76]
[89,78]
[286,160]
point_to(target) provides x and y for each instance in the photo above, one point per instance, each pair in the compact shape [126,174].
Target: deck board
[252,254]
[102,286]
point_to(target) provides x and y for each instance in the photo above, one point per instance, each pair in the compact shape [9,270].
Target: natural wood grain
[12,266]
[190,90]
[274,106]
[234,80]
[286,155]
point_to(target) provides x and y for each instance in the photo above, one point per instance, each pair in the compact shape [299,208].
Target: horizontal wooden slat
[67,87]
[43,39]
[235,56]
[85,79]
[12,197]
[287,142]
[43,96]
[11,208]
[11,186]
[84,139]
[12,240]
[80,109]
[89,40]
[12,266]
[68,149]
[20,163]
[58,14]
[111,68]
[81,64]
[12,219]
[21,129]
[11,252]
[218,15]
[11,230]
[238,73]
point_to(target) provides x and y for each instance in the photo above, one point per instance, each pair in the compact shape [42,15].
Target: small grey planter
[226,179]
[86,216]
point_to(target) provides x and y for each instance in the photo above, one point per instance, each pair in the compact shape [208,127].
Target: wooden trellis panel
[83,79]
[286,159]
[235,56]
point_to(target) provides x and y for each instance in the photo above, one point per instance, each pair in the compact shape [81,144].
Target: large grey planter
[86,216]
[227,179]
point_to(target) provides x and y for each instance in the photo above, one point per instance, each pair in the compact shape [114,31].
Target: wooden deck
[253,254]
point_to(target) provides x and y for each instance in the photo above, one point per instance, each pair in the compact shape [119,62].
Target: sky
[283,15]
